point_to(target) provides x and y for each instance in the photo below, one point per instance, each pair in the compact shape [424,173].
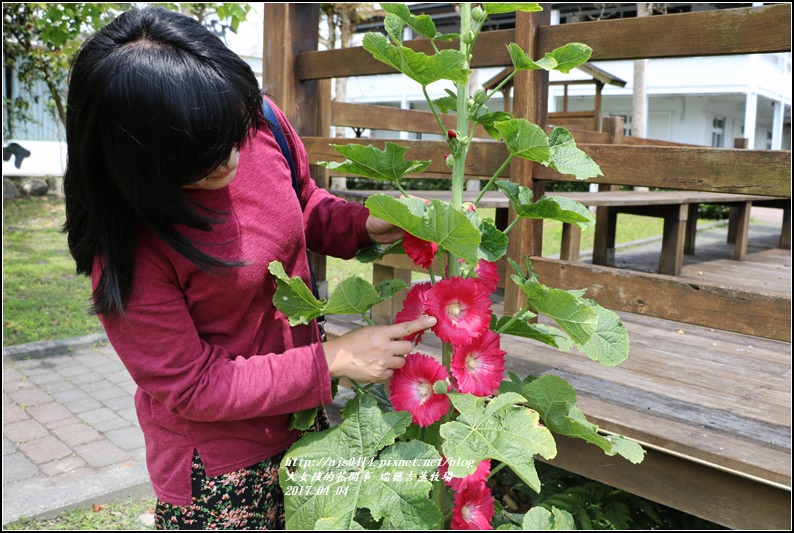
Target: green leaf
[555,400]
[539,332]
[541,519]
[500,430]
[522,62]
[524,139]
[445,65]
[372,162]
[609,345]
[493,242]
[360,466]
[496,8]
[421,24]
[570,56]
[547,207]
[390,287]
[353,296]
[375,252]
[303,420]
[488,122]
[394,27]
[445,104]
[293,297]
[566,158]
[569,311]
[437,222]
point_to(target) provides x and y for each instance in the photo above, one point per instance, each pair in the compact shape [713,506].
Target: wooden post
[606,218]
[305,103]
[671,260]
[530,101]
[691,229]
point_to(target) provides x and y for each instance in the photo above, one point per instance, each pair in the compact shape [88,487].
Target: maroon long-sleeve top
[218,367]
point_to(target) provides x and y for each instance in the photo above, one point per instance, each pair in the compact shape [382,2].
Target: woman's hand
[383,232]
[372,353]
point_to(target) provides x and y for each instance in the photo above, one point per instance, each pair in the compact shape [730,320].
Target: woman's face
[221,176]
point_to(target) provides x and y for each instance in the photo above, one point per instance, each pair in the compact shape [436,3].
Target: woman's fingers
[403,329]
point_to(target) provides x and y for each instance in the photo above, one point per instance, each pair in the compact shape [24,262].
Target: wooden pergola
[590,120]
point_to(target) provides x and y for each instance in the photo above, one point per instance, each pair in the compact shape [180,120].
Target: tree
[39,41]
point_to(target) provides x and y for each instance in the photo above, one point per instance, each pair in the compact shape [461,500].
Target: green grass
[43,298]
[122,514]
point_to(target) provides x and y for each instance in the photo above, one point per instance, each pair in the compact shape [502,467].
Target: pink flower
[479,476]
[420,251]
[413,308]
[478,367]
[474,508]
[488,275]
[462,309]
[412,389]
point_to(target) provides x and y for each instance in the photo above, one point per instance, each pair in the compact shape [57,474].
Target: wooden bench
[677,208]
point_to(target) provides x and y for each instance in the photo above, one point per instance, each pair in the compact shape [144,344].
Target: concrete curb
[113,485]
[39,350]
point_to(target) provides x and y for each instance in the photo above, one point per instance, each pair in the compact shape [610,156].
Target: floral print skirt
[249,498]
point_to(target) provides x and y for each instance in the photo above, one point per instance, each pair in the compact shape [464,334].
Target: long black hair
[155,102]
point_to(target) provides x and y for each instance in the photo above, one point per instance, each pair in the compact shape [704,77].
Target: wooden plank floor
[712,408]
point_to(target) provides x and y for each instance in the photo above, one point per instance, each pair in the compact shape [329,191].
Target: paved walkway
[70,434]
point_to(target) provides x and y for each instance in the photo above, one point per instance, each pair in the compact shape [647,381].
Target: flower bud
[468,37]
[452,134]
[477,13]
[450,160]
[480,96]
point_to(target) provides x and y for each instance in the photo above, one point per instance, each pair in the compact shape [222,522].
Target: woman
[177,199]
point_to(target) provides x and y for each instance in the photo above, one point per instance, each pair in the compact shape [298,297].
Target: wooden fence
[300,77]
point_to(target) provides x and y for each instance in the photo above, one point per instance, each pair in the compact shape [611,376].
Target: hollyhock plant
[474,507]
[413,308]
[412,389]
[420,251]
[479,476]
[462,308]
[478,367]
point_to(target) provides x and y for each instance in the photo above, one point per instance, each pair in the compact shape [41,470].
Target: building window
[718,132]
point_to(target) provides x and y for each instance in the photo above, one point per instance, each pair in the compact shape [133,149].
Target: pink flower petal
[479,367]
[413,308]
[480,475]
[420,251]
[412,389]
[474,508]
[488,275]
[462,310]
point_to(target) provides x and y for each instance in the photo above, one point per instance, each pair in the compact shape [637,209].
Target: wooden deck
[712,408]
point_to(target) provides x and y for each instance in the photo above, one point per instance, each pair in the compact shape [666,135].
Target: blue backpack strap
[278,133]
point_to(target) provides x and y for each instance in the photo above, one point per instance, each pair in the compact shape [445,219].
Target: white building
[707,101]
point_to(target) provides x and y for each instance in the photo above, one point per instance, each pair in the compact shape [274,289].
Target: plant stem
[367,319]
[510,226]
[492,180]
[512,319]
[435,112]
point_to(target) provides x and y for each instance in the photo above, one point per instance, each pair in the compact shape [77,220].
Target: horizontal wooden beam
[489,51]
[381,117]
[763,172]
[751,30]
[723,308]
[681,483]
